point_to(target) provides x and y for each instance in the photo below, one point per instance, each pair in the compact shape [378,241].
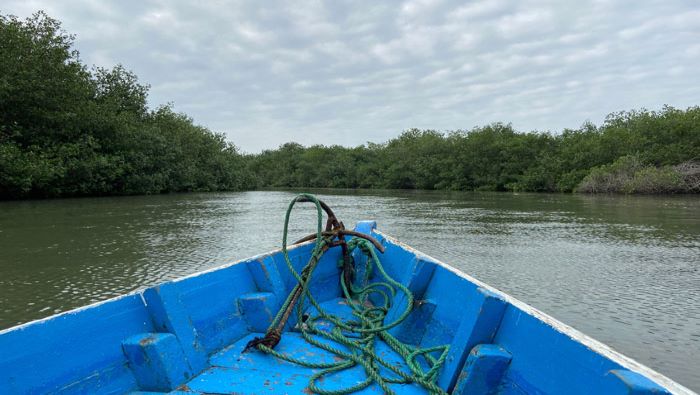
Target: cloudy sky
[348,72]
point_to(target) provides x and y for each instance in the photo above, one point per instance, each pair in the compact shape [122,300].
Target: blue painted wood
[169,315]
[546,360]
[326,282]
[258,373]
[413,328]
[480,320]
[483,371]
[397,262]
[75,352]
[338,307]
[258,309]
[367,227]
[199,325]
[210,304]
[416,279]
[267,277]
[157,361]
[632,383]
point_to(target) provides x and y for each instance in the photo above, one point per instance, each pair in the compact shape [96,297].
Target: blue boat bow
[189,336]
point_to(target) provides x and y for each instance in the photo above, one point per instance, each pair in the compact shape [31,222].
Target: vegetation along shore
[67,130]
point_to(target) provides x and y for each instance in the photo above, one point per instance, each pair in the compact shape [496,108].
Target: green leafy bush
[497,158]
[629,175]
[66,131]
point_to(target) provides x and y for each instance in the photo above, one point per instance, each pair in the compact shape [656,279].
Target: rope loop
[359,335]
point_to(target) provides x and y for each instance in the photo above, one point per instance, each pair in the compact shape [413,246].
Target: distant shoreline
[350,190]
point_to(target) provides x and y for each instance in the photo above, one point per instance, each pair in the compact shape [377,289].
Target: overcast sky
[348,72]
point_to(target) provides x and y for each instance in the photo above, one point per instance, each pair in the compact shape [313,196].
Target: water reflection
[622,269]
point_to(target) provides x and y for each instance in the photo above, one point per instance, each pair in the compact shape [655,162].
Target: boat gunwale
[576,335]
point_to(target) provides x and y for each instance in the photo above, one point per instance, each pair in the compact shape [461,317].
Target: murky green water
[625,270]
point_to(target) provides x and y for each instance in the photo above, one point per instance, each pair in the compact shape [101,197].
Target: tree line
[66,130]
[658,147]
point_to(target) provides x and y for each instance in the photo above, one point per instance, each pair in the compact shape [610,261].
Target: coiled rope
[369,326]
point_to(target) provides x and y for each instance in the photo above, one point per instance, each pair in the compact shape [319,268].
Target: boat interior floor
[233,371]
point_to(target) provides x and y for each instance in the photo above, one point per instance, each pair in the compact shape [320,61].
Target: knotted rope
[368,326]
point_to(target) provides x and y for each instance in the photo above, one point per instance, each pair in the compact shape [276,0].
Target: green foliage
[629,174]
[66,131]
[497,158]
[613,177]
[655,180]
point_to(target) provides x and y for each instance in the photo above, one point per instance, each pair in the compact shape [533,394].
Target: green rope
[368,325]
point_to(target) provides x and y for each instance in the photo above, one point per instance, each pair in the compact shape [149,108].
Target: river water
[622,269]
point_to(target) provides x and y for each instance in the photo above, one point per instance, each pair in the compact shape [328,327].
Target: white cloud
[526,22]
[347,72]
[436,76]
[413,8]
[475,9]
[585,54]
